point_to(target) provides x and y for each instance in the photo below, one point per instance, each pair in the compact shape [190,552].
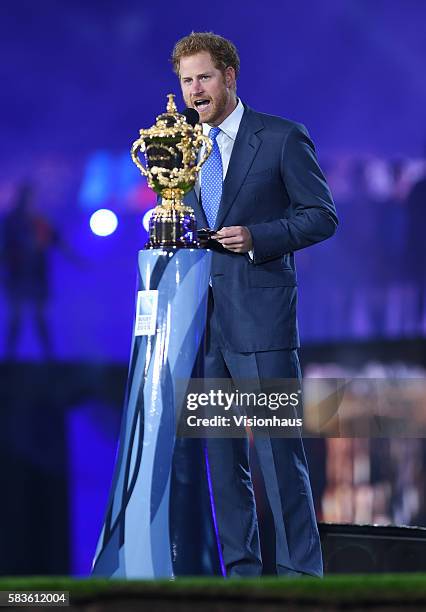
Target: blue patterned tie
[211,180]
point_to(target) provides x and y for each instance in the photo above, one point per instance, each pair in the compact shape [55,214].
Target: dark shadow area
[34,455]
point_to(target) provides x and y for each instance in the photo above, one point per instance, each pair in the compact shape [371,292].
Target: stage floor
[356,593]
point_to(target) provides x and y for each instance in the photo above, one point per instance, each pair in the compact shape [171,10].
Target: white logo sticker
[146,312]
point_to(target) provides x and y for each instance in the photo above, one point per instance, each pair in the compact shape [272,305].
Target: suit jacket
[275,187]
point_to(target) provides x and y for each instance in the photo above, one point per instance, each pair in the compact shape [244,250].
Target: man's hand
[236,238]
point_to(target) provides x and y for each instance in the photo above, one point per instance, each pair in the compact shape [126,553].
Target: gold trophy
[171,148]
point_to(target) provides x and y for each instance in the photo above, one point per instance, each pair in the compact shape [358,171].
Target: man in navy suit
[272,199]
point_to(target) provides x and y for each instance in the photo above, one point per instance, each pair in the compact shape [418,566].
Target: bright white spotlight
[146,218]
[103,222]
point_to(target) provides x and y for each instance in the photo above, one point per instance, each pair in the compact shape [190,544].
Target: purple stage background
[79,80]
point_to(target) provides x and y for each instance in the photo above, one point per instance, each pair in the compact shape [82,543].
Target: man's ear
[230,76]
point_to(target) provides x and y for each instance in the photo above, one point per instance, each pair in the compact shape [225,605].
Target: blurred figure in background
[415,252]
[25,240]
[361,227]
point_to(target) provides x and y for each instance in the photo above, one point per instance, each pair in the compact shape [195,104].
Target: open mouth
[202,104]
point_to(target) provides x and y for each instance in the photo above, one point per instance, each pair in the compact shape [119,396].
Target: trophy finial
[171,106]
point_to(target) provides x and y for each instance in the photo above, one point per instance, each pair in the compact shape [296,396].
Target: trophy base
[172,229]
[170,245]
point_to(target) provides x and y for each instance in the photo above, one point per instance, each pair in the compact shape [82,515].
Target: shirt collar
[229,125]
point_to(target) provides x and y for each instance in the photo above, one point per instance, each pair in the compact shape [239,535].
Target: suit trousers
[283,466]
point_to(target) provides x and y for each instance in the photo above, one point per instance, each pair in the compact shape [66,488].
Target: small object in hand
[205,234]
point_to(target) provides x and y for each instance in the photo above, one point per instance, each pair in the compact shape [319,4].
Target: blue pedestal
[158,479]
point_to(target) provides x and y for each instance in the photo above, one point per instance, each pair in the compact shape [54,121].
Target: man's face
[206,88]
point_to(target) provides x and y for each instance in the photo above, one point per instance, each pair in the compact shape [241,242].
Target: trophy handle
[136,147]
[208,147]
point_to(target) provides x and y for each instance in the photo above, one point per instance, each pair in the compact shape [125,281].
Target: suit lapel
[243,153]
